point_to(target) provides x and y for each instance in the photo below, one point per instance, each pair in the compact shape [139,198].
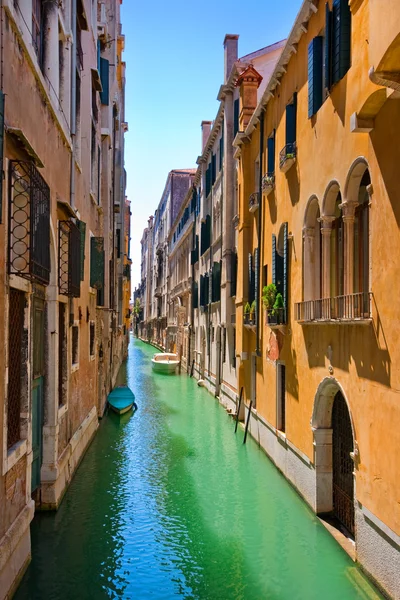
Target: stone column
[348,210]
[309,263]
[326,232]
[323,470]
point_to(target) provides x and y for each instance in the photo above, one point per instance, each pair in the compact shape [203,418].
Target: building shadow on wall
[339,345]
[338,97]
[273,208]
[292,177]
[385,140]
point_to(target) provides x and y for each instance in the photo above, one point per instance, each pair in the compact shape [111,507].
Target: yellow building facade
[319,219]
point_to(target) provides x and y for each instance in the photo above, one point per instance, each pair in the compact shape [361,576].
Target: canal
[168,503]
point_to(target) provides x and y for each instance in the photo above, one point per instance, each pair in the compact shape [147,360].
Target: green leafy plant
[278,304]
[290,155]
[247,308]
[269,295]
[253,307]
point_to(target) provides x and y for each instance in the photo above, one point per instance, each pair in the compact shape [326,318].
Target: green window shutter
[235,117]
[271,154]
[213,168]
[274,259]
[291,110]
[314,75]
[97,262]
[328,48]
[341,39]
[285,267]
[105,81]
[82,229]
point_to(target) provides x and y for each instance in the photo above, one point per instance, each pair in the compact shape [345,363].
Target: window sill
[74,368]
[281,435]
[14,454]
[360,321]
[92,357]
[62,410]
[287,164]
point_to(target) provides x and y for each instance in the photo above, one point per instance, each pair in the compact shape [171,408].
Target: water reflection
[168,503]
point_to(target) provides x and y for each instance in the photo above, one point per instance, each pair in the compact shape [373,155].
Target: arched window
[361,238]
[337,251]
[312,252]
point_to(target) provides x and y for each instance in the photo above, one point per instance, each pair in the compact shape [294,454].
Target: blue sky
[175,62]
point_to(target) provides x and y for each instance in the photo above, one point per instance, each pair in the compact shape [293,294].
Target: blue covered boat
[122,399]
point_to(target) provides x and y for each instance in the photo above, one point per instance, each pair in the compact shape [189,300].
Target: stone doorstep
[342,539]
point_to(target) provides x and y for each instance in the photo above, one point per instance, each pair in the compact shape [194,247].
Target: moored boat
[165,362]
[122,399]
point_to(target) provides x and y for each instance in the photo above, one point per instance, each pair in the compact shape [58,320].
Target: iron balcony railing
[254,201]
[287,153]
[268,182]
[353,307]
[28,223]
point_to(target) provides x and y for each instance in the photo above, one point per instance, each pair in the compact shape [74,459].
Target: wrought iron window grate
[69,259]
[29,223]
[16,326]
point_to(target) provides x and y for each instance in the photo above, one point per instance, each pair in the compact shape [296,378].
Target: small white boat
[165,362]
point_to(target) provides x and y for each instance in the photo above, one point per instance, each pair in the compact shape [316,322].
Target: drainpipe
[259,233]
[73,105]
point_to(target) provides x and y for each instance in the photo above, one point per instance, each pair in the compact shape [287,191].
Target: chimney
[205,132]
[230,53]
[248,83]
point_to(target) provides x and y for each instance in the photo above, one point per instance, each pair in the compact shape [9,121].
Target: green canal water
[168,503]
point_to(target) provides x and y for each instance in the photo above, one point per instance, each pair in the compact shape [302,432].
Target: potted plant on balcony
[246,313]
[268,298]
[278,307]
[252,312]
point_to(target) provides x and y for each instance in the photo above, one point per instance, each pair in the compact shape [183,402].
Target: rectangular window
[37,29]
[281,397]
[213,169]
[341,39]
[235,117]
[29,211]
[15,338]
[92,331]
[291,110]
[105,79]
[62,355]
[97,262]
[69,259]
[315,50]
[75,345]
[271,154]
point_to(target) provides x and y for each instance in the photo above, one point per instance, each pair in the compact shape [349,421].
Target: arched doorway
[334,445]
[342,463]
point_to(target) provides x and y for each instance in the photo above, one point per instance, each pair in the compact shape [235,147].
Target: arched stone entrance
[333,453]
